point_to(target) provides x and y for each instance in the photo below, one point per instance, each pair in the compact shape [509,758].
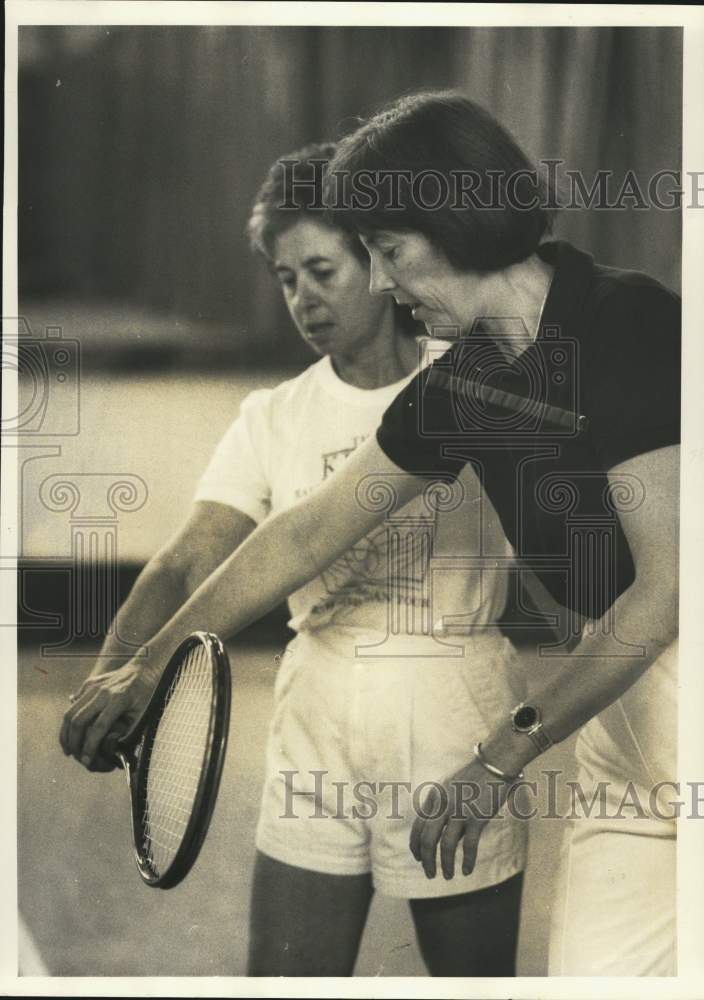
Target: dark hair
[449,143]
[294,187]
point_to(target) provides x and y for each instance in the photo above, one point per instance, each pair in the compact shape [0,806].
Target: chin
[319,347]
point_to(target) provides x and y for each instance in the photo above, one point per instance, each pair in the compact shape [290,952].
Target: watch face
[525,717]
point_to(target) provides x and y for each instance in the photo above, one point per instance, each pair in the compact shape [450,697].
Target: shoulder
[633,324]
[628,302]
[283,398]
[630,366]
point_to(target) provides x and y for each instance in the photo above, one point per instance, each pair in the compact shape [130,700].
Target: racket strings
[178,750]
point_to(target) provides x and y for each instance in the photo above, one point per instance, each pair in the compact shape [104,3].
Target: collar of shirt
[573,276]
[561,310]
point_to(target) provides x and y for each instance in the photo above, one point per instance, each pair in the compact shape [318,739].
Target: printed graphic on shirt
[388,566]
[332,460]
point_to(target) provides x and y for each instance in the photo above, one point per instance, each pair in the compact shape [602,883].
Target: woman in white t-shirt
[383,688]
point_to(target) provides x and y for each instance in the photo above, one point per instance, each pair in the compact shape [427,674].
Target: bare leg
[304,923]
[473,934]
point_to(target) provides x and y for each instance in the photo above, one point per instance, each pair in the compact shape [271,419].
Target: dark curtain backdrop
[140,149]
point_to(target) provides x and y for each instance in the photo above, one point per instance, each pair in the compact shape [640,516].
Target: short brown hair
[444,135]
[293,187]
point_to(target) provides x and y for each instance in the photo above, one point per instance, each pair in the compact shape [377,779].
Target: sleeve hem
[629,446]
[399,456]
[241,503]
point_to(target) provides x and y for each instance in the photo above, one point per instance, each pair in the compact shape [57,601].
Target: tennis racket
[173,756]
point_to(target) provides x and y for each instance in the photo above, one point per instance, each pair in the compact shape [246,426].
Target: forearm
[210,533]
[288,550]
[584,684]
[157,594]
[271,564]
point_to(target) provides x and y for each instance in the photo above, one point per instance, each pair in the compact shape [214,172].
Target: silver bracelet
[492,769]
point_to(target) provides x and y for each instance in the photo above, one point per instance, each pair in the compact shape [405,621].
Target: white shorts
[359,736]
[616,902]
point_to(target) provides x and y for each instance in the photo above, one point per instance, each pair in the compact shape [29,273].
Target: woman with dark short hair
[440,165]
[561,391]
[365,686]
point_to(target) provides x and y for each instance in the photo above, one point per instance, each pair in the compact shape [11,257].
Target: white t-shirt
[431,559]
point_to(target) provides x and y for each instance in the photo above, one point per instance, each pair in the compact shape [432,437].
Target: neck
[517,302]
[506,304]
[387,358]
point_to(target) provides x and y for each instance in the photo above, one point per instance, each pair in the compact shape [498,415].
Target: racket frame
[134,754]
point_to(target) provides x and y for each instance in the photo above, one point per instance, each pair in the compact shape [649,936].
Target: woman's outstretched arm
[288,550]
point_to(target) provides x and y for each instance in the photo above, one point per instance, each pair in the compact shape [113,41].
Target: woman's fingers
[432,827]
[88,721]
[76,700]
[448,846]
[449,816]
[65,734]
[105,703]
[429,839]
[414,840]
[103,764]
[84,711]
[433,819]
[428,810]
[102,725]
[89,684]
[470,845]
[427,834]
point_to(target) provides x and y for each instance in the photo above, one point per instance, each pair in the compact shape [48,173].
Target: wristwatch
[526,719]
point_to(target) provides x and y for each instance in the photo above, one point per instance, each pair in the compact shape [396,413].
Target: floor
[81,898]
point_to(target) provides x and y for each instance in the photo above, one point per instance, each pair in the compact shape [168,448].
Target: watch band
[541,740]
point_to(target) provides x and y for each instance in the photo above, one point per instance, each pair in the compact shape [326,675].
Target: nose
[305,296]
[379,280]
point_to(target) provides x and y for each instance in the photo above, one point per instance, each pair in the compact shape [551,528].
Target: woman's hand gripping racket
[173,757]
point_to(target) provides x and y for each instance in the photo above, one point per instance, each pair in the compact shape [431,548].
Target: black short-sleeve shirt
[600,384]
